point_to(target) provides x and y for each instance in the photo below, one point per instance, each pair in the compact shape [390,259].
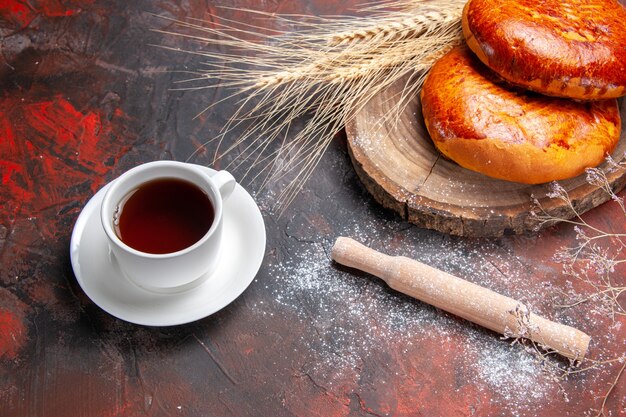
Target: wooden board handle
[462,298]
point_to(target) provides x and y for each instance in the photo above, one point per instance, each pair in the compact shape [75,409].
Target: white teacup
[182,269]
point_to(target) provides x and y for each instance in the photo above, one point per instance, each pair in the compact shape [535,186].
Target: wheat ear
[329,68]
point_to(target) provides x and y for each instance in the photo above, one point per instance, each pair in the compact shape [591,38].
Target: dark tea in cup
[164,215]
[163,221]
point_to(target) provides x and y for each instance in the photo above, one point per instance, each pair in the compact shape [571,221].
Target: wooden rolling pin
[462,298]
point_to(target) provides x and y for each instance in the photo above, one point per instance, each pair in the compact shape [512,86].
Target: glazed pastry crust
[484,125]
[563,48]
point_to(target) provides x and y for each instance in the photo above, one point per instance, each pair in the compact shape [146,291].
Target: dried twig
[594,261]
[612,386]
[598,253]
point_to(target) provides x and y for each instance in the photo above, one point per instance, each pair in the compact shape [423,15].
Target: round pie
[564,48]
[483,124]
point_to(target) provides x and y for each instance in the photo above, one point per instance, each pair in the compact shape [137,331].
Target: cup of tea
[163,221]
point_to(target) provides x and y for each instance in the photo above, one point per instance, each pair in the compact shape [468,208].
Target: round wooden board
[401,168]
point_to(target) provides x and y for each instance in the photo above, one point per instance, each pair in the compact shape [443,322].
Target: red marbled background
[84,97]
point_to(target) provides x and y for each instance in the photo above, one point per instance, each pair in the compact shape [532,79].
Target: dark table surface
[84,97]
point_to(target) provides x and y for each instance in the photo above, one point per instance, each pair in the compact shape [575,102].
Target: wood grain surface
[401,168]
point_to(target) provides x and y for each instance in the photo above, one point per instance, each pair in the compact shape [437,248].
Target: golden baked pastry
[563,48]
[485,125]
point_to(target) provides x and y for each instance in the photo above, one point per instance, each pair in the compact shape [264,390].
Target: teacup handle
[225,183]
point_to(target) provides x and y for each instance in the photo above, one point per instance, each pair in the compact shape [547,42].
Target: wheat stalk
[328,68]
[410,27]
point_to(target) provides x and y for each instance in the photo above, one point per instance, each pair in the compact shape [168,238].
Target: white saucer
[242,254]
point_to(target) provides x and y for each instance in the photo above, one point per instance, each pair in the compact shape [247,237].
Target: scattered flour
[356,315]
[511,372]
